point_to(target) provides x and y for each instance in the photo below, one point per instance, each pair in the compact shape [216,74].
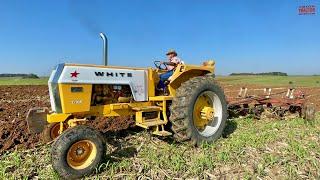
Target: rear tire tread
[182,125]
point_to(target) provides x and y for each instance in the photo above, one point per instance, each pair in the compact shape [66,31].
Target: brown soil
[15,101]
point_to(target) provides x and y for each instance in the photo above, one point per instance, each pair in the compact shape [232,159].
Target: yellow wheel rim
[203,111]
[81,154]
[207,113]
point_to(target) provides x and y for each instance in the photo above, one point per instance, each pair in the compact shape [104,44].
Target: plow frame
[244,104]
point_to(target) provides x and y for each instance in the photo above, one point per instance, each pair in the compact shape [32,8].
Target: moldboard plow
[279,105]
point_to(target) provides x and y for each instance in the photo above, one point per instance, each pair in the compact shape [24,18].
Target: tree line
[33,76]
[263,74]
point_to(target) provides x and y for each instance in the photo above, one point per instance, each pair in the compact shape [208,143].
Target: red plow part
[276,105]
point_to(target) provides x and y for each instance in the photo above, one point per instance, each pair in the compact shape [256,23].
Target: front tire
[199,111]
[77,151]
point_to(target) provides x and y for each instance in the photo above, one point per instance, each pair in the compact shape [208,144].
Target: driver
[171,64]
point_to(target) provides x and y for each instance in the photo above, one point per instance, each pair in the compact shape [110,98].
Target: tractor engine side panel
[75,97]
[135,78]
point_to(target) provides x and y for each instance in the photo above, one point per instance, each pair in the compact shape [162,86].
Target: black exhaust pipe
[105,49]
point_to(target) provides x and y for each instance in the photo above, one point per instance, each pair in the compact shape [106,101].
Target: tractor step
[150,122]
[162,133]
[160,98]
[147,108]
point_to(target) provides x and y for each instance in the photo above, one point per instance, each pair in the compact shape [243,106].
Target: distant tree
[32,76]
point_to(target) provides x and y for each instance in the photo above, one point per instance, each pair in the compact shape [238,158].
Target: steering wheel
[160,65]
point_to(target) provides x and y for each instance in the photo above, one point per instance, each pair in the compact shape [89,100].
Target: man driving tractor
[173,61]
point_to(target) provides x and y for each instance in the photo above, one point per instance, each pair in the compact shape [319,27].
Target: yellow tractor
[192,102]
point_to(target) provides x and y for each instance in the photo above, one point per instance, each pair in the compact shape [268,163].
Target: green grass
[287,149]
[309,81]
[23,81]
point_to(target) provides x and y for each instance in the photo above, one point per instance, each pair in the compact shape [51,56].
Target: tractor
[192,108]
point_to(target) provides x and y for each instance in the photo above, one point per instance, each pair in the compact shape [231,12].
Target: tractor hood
[76,74]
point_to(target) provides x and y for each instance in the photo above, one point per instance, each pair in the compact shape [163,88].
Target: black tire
[183,106]
[61,146]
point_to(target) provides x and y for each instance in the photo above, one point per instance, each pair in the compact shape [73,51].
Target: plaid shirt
[175,60]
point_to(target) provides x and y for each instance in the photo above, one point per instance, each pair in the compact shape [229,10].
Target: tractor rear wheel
[77,152]
[199,111]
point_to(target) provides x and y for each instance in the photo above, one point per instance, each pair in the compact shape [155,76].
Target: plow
[278,105]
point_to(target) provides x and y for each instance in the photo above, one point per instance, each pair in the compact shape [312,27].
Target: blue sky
[242,36]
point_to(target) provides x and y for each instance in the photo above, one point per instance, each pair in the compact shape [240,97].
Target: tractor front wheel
[199,111]
[77,152]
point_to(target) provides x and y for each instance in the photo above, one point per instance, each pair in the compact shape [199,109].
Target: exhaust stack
[105,49]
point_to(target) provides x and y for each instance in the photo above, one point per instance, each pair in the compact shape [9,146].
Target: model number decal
[78,101]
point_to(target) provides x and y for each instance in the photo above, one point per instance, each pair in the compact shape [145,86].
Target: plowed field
[15,101]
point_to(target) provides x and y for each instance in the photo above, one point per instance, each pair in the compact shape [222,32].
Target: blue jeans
[163,77]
